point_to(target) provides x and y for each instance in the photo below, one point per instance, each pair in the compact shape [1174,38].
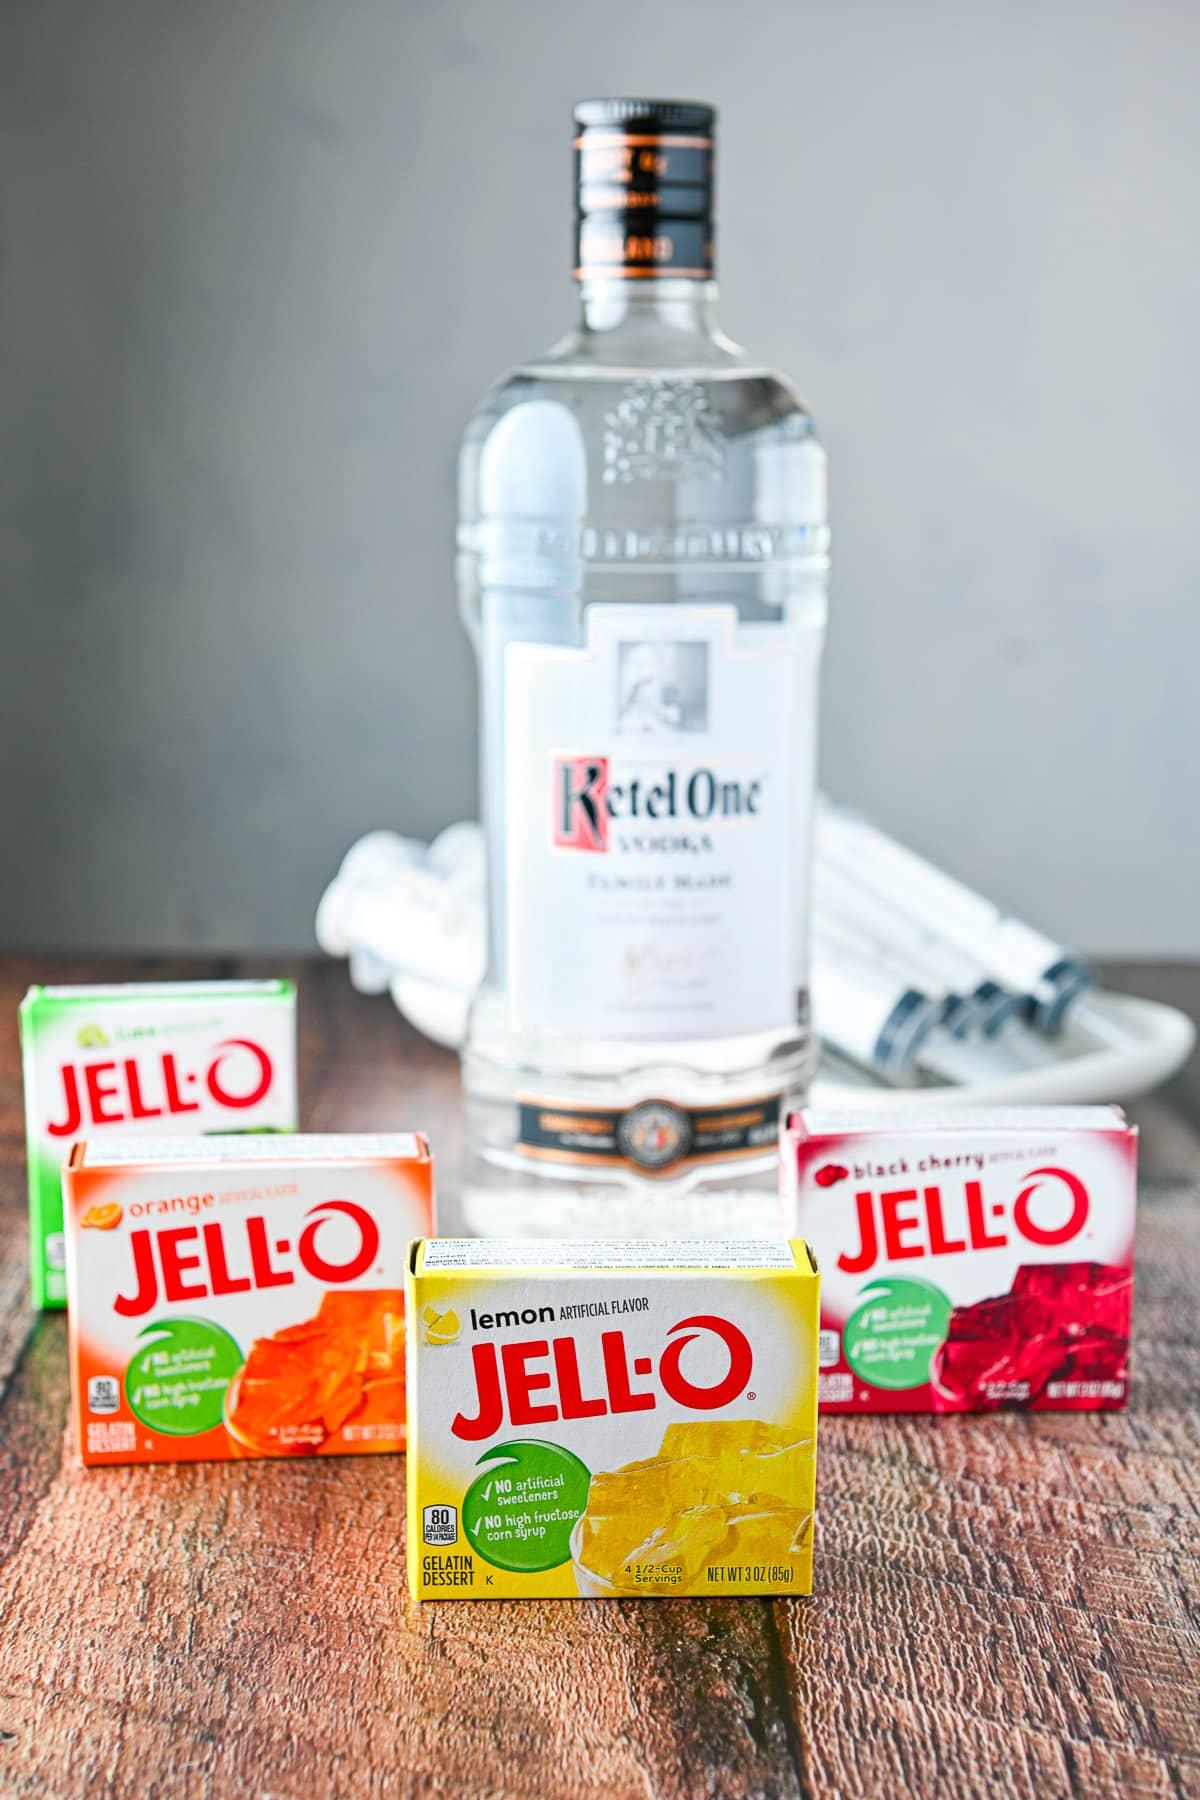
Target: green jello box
[153,1057]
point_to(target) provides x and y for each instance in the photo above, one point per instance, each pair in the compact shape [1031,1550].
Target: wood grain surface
[1004,1606]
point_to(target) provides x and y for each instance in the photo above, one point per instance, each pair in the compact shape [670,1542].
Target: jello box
[971,1261]
[150,1058]
[602,1418]
[240,1296]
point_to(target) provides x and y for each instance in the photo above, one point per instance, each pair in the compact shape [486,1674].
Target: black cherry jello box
[971,1261]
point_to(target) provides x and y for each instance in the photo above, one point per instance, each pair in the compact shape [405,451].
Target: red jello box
[971,1261]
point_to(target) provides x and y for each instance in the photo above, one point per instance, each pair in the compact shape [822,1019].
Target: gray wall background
[260,258]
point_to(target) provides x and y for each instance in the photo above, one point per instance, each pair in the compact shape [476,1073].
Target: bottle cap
[644,189]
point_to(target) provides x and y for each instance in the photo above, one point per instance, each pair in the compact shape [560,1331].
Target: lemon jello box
[234,1297]
[146,1059]
[606,1418]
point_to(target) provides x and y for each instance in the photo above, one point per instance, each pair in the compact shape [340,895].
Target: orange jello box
[240,1296]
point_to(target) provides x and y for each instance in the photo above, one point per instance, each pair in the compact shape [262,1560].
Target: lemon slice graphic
[441,1328]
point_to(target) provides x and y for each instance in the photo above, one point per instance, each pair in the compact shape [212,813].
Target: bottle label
[658,782]
[655,1137]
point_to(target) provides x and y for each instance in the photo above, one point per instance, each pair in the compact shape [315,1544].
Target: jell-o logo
[902,1223]
[111,1093]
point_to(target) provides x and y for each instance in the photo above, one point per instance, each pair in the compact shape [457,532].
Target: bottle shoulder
[738,399]
[708,460]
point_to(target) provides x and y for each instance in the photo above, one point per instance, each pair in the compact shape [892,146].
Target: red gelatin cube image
[1060,1322]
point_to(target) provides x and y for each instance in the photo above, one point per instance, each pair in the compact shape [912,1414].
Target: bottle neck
[660,305]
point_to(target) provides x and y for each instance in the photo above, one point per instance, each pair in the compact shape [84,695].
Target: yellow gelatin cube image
[758,1474]
[731,1492]
[709,1437]
[768,1536]
[670,1554]
[651,1488]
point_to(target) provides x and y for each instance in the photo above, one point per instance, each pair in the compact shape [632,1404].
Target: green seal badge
[891,1337]
[520,1512]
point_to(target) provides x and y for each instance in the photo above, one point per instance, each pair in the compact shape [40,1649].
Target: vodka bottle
[643,561]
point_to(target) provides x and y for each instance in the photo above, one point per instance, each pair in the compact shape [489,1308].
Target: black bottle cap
[644,189]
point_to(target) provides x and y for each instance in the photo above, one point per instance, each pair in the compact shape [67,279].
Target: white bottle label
[658,786]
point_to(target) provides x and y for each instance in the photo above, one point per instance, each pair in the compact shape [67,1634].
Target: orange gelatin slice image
[332,1382]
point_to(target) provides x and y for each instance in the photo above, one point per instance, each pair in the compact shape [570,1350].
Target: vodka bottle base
[551,1152]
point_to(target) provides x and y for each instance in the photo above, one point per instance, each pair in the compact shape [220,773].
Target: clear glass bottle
[643,563]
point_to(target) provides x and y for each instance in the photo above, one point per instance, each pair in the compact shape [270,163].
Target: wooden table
[1004,1606]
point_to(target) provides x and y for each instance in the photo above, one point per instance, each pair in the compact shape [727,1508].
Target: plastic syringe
[1015,956]
[867,1012]
[970,999]
[870,1010]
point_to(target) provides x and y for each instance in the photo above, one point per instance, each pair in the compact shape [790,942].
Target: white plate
[1154,1042]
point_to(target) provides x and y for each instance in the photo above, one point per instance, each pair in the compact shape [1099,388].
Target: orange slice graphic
[102,1218]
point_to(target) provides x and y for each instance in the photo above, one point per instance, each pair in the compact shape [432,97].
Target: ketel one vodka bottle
[644,557]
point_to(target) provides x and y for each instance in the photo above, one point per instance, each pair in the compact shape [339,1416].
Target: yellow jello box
[605,1418]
